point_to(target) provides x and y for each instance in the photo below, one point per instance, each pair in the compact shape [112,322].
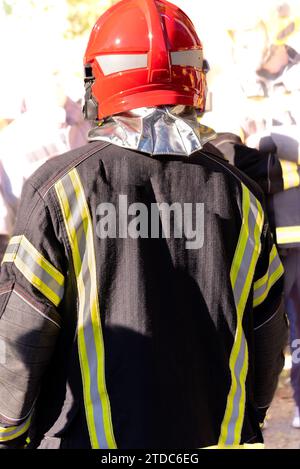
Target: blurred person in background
[271,125]
[40,95]
[235,46]
[38,128]
[8,210]
[144,342]
[281,76]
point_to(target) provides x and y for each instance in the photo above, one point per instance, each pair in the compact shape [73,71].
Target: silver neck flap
[163,130]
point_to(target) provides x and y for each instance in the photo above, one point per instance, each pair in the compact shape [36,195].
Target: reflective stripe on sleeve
[242,272]
[263,286]
[288,235]
[35,268]
[290,174]
[79,228]
[11,433]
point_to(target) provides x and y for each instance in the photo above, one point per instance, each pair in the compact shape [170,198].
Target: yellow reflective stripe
[237,342]
[12,249]
[240,313]
[242,272]
[11,433]
[35,268]
[263,286]
[94,306]
[262,281]
[37,282]
[71,232]
[290,174]
[288,235]
[65,207]
[255,256]
[9,257]
[244,446]
[42,262]
[15,239]
[78,224]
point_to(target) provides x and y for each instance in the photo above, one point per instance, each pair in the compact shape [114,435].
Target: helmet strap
[90,108]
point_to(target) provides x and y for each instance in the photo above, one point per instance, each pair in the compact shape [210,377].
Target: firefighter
[36,140]
[142,335]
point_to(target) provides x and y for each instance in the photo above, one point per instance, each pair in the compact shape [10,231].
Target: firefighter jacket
[276,168]
[141,341]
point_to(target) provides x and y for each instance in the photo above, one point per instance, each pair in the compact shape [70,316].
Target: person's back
[169,311]
[140,293]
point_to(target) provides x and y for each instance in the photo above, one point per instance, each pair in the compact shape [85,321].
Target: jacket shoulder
[57,167]
[232,171]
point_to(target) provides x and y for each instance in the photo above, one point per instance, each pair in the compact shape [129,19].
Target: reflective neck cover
[163,130]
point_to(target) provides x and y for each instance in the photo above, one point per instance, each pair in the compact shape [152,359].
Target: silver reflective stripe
[188,58]
[13,246]
[248,253]
[79,228]
[10,433]
[288,235]
[41,273]
[115,63]
[242,272]
[238,371]
[35,268]
[238,290]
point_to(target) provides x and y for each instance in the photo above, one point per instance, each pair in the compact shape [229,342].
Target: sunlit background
[43,41]
[41,79]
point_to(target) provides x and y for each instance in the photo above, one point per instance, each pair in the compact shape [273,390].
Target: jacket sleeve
[280,163]
[274,164]
[262,165]
[284,173]
[31,289]
[270,324]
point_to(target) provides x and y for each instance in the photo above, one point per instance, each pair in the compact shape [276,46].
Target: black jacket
[138,343]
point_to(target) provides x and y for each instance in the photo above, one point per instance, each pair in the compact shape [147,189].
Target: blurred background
[253,49]
[43,43]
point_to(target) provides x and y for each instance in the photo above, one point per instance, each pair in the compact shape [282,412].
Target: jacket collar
[164,130]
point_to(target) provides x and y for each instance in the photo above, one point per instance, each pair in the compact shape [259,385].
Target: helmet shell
[145,53]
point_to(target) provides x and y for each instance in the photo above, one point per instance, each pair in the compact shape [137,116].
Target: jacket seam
[35,308]
[62,225]
[48,186]
[266,322]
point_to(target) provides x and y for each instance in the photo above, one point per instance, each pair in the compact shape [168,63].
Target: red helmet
[143,53]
